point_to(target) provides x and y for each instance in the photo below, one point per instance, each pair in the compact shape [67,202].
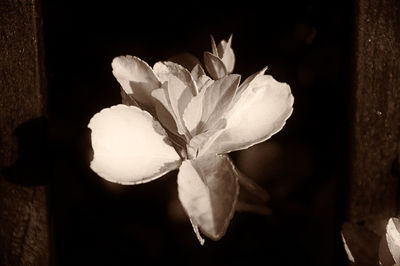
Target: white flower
[186,120]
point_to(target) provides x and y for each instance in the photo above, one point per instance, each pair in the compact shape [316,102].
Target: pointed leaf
[137,79]
[214,65]
[213,46]
[208,190]
[260,111]
[129,146]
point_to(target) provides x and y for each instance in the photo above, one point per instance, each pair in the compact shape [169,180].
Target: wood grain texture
[374,184]
[23,208]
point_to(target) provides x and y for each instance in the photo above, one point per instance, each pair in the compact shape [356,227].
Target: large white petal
[137,79]
[208,190]
[129,146]
[259,111]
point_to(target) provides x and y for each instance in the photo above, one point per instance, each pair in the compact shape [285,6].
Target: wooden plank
[374,183]
[23,202]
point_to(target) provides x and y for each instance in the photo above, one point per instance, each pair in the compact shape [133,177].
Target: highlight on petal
[214,65]
[393,240]
[258,112]
[137,79]
[130,147]
[208,190]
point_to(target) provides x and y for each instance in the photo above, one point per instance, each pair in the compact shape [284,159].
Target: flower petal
[137,79]
[200,77]
[218,98]
[165,112]
[393,238]
[226,54]
[167,70]
[181,88]
[209,106]
[129,146]
[259,111]
[193,113]
[208,190]
[214,65]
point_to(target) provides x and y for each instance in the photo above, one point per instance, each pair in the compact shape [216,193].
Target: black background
[304,167]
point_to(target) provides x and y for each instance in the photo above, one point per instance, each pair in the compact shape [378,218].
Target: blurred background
[304,167]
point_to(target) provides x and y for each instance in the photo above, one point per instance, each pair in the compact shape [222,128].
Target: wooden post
[374,182]
[24,237]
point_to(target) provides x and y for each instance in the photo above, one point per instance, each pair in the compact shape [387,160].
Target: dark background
[304,167]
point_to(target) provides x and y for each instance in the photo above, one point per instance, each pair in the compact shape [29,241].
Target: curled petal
[167,70]
[214,66]
[259,111]
[137,79]
[208,190]
[129,146]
